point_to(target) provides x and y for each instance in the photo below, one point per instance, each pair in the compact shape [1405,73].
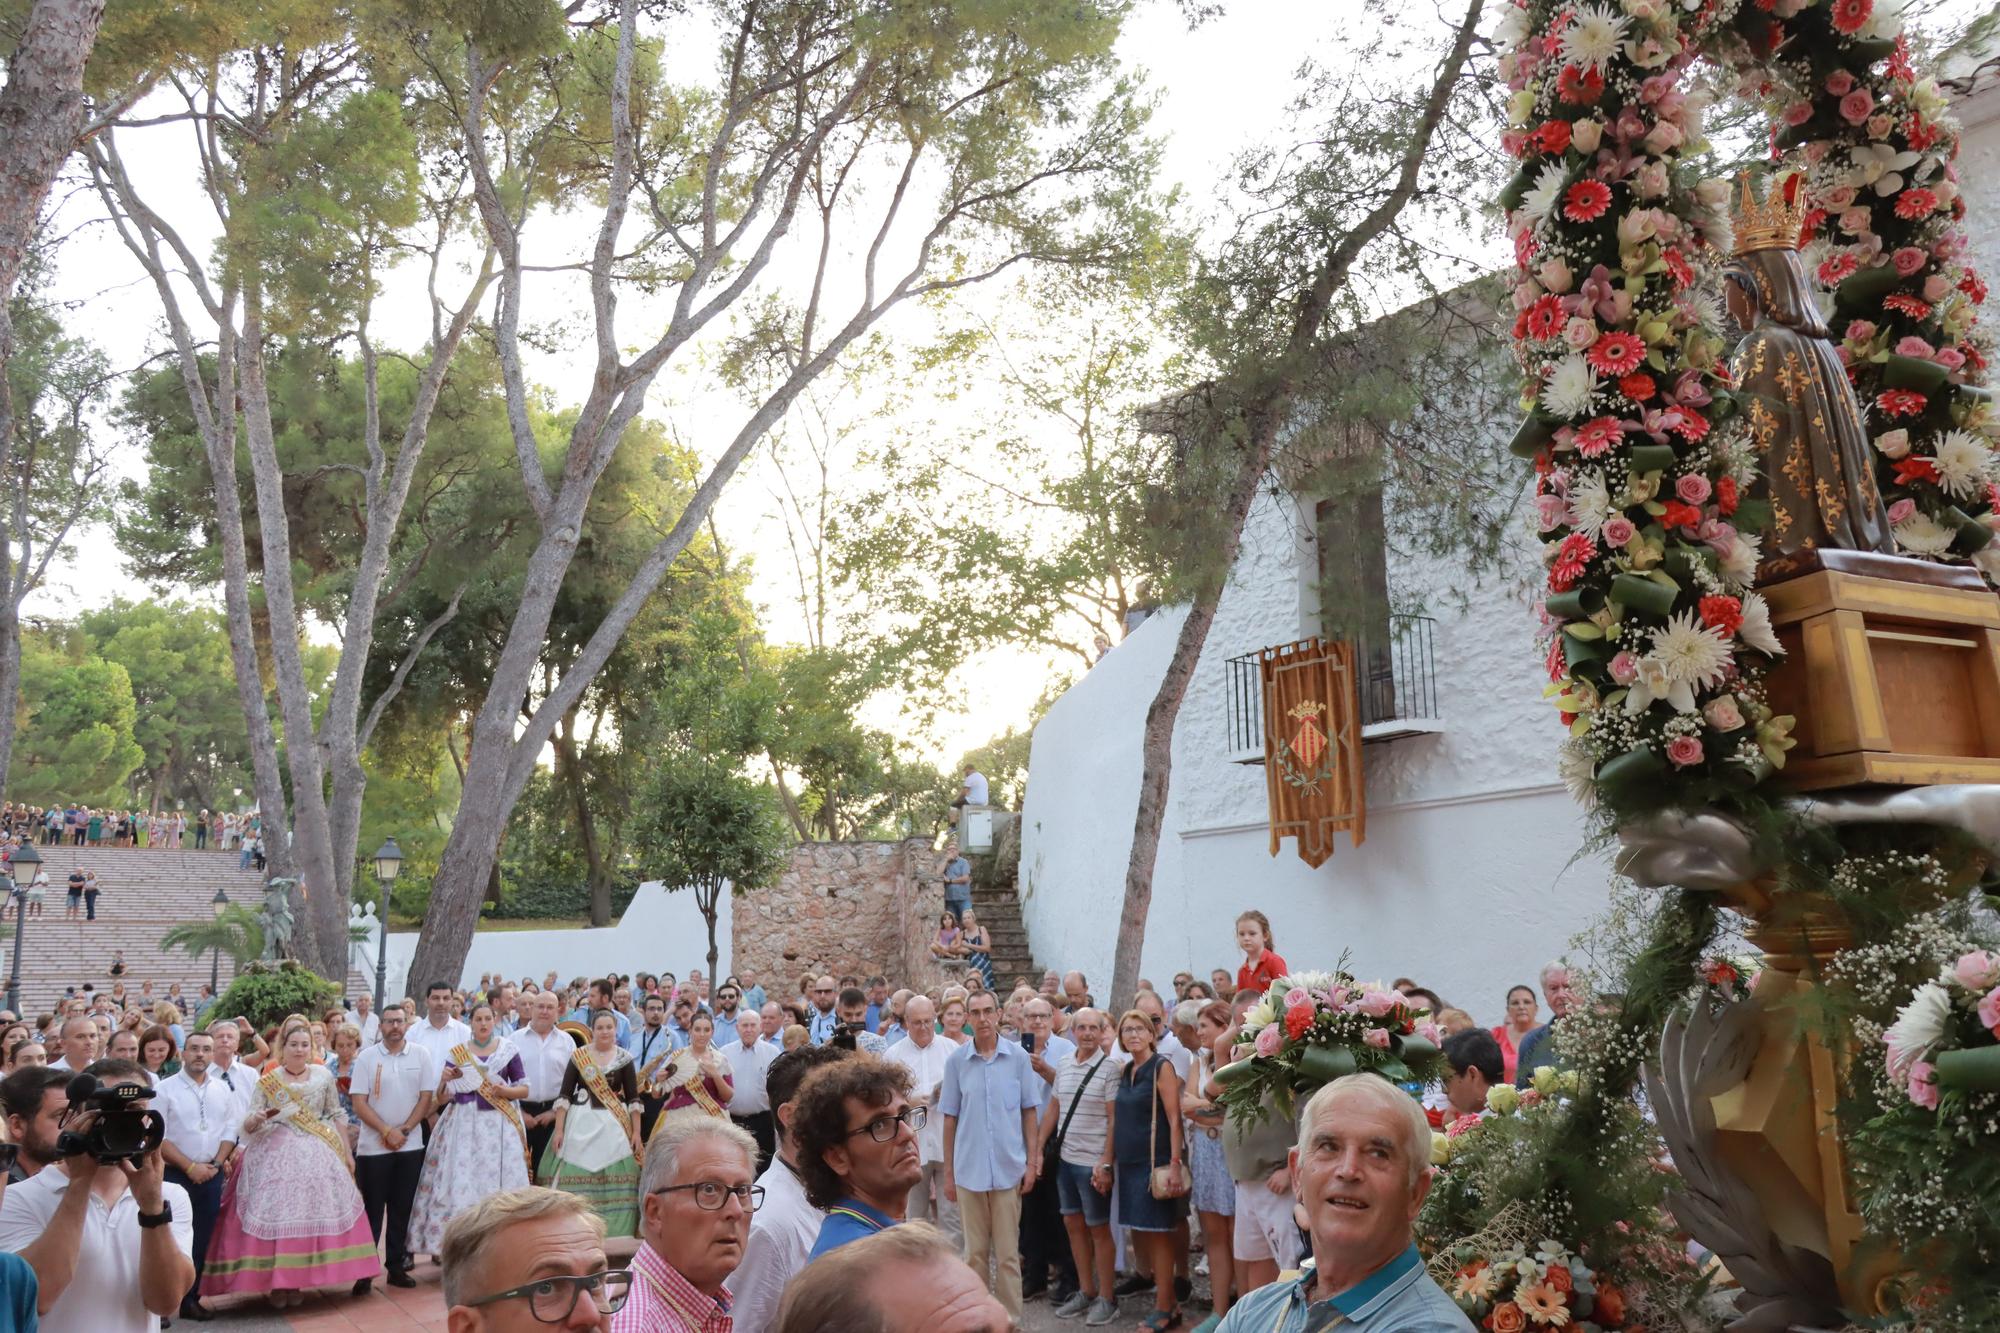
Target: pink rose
[1840,83]
[1684,751]
[1270,1039]
[1585,135]
[1652,181]
[1880,124]
[1798,113]
[1296,996]
[1580,333]
[1989,1010]
[1936,287]
[1950,358]
[1855,221]
[1860,330]
[1901,510]
[1555,275]
[1625,666]
[1855,107]
[1908,259]
[1839,197]
[1977,971]
[1431,1032]
[1693,488]
[1723,714]
[1379,1003]
[1619,530]
[1911,345]
[1377,1038]
[1922,1090]
[1664,137]
[1893,443]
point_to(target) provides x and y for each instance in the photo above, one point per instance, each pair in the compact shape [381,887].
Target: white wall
[1464,881]
[660,931]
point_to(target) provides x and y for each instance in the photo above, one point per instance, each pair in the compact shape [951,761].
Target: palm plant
[236,932]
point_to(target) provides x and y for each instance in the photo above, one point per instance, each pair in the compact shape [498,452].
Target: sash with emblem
[306,1120]
[461,1055]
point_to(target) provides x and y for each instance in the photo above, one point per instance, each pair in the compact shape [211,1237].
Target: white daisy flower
[1920,534]
[1594,37]
[1543,195]
[1578,771]
[1570,386]
[1918,1029]
[1589,502]
[1964,463]
[1756,630]
[1690,652]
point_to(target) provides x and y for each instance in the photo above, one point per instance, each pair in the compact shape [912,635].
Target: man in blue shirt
[856,1137]
[824,1019]
[1538,1047]
[753,994]
[957,881]
[990,1098]
[599,997]
[1362,1169]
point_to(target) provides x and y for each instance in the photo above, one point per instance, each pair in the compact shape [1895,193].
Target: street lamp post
[388,863]
[24,856]
[218,905]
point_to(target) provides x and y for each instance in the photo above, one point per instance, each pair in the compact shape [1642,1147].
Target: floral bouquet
[1945,1043]
[1513,1291]
[1313,1027]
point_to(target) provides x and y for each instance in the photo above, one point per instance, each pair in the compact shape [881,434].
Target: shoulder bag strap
[1076,1098]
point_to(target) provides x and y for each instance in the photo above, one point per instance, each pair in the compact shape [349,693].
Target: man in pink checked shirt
[696,1195]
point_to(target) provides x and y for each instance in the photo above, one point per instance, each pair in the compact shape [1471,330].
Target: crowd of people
[75,825]
[745,1137]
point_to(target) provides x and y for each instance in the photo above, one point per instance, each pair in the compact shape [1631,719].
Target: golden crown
[1772,223]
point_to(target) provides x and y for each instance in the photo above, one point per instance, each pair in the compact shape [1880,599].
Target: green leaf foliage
[76,741]
[268,995]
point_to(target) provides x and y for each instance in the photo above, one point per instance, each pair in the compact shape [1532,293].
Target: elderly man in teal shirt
[1362,1169]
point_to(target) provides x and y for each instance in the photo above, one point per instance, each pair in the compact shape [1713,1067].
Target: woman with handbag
[1143,1160]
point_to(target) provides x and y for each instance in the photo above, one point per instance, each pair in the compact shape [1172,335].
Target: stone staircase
[145,892]
[999,910]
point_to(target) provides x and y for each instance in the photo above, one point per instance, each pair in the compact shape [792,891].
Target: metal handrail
[1397,683]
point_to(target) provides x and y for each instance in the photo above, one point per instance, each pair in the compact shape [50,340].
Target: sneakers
[1102,1311]
[1077,1304]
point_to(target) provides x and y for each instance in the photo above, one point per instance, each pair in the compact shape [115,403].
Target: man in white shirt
[392,1090]
[750,1066]
[974,790]
[110,1245]
[202,1128]
[924,1056]
[367,1019]
[783,1231]
[240,1079]
[439,1031]
[79,1044]
[545,1053]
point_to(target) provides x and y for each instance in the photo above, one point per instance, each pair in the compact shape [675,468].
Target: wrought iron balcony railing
[1397,688]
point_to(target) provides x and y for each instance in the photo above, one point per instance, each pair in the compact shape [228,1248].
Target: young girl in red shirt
[1261,966]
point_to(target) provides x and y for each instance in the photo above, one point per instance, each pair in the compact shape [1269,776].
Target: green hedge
[556,900]
[266,995]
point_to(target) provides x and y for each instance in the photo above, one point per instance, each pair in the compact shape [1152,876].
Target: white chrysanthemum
[1589,502]
[1594,37]
[1706,302]
[1918,1029]
[1964,463]
[1740,565]
[1543,195]
[1691,653]
[1570,386]
[1920,534]
[1578,771]
[1756,628]
[1512,29]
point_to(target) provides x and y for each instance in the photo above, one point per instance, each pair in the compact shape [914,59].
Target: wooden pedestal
[1890,681]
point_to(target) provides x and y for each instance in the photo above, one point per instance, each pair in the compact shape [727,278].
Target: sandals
[1162,1320]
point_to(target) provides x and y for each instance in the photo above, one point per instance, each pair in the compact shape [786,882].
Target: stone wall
[844,908]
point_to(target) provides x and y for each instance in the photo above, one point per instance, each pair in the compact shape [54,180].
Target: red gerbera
[1638,386]
[1552,137]
[1572,557]
[1836,267]
[1687,423]
[1914,468]
[1679,515]
[1915,202]
[1581,86]
[1617,353]
[1597,435]
[1850,15]
[1586,201]
[1558,668]
[1901,402]
[1921,133]
[1809,226]
[1725,496]
[1721,613]
[1971,285]
[1907,304]
[1677,265]
[1545,318]
[1526,247]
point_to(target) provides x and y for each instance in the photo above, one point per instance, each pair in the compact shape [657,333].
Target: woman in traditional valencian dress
[291,1217]
[697,1075]
[594,1151]
[479,1147]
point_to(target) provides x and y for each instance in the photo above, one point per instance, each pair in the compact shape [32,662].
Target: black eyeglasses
[551,1299]
[710,1195]
[883,1128]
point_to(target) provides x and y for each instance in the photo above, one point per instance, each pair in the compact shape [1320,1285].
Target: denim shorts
[1075,1194]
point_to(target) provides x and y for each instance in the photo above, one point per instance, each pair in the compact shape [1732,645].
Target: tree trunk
[709,900]
[1263,417]
[570,773]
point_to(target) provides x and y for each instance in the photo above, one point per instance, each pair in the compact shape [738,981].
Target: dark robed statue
[1818,466]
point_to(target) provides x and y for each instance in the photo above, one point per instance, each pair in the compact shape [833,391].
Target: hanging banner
[1312,745]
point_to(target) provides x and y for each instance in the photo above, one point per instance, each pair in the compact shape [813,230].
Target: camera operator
[114,1255]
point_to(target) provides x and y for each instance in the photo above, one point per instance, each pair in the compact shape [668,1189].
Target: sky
[1221,88]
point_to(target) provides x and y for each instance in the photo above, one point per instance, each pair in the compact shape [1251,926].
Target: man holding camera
[854,1023]
[109,1239]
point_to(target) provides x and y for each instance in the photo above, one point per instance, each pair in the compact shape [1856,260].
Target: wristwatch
[147,1221]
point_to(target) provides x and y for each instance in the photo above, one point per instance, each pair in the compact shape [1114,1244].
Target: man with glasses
[857,1147]
[547,1237]
[728,1006]
[824,1020]
[696,1196]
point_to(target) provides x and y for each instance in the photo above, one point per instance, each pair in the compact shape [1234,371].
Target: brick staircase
[999,910]
[145,892]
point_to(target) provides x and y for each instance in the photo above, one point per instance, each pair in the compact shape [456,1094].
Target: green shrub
[557,899]
[265,994]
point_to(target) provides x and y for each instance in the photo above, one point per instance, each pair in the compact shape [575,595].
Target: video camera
[125,1130]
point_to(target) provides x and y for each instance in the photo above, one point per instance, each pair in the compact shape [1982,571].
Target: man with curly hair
[857,1146]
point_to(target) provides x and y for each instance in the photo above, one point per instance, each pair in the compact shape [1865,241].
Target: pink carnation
[1977,971]
[1923,1091]
[1270,1039]
[1376,1037]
